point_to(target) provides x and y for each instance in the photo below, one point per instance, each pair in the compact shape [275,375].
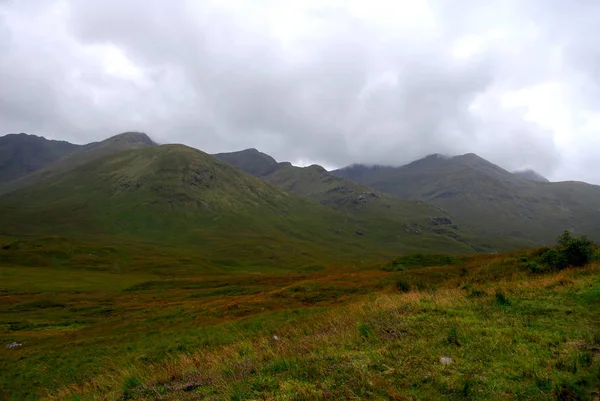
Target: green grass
[138,333]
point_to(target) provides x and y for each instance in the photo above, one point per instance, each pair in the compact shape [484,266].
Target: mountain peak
[531,175]
[317,168]
[251,160]
[132,137]
[469,157]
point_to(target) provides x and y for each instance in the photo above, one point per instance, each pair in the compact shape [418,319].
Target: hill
[77,157]
[21,154]
[357,200]
[493,201]
[173,194]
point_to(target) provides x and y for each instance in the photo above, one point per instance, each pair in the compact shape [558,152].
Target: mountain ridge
[22,154]
[493,200]
[178,195]
[481,198]
[79,156]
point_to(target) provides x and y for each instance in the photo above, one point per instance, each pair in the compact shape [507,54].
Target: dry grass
[374,358]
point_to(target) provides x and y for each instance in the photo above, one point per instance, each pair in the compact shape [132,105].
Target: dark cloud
[314,81]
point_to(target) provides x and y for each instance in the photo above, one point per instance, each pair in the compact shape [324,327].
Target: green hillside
[173,194]
[352,198]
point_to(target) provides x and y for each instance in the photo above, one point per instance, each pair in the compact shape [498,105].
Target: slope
[21,154]
[357,200]
[79,156]
[176,195]
[493,201]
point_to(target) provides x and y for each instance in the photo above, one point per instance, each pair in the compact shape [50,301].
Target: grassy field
[133,321]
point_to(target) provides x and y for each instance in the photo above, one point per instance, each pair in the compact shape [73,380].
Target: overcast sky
[327,81]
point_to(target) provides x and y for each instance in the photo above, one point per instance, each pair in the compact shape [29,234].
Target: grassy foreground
[103,323]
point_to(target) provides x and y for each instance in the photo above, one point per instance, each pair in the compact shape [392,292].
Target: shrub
[402,286]
[571,251]
[535,267]
[502,300]
[578,251]
[554,258]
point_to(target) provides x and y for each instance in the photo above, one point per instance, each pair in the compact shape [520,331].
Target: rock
[276,338]
[441,221]
[360,232]
[13,345]
[446,360]
[364,197]
[342,189]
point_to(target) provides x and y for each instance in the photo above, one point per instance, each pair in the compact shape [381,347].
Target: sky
[332,82]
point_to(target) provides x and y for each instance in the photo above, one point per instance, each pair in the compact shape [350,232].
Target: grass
[329,332]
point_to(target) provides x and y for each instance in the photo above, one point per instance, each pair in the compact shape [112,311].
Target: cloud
[332,82]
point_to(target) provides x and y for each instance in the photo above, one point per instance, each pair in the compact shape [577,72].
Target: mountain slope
[357,200]
[493,201]
[174,194]
[80,156]
[21,154]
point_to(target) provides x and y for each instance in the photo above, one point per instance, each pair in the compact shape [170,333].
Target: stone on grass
[446,360]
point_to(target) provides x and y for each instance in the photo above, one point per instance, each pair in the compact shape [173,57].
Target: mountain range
[128,188]
[249,205]
[494,202]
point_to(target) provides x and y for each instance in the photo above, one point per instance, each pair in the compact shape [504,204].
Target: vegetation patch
[419,260]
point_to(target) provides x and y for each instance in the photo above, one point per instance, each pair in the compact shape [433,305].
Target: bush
[502,300]
[571,251]
[536,268]
[578,251]
[402,286]
[554,258]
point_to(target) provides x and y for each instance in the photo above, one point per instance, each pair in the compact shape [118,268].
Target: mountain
[21,154]
[77,157]
[251,161]
[492,201]
[173,194]
[357,200]
[531,176]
